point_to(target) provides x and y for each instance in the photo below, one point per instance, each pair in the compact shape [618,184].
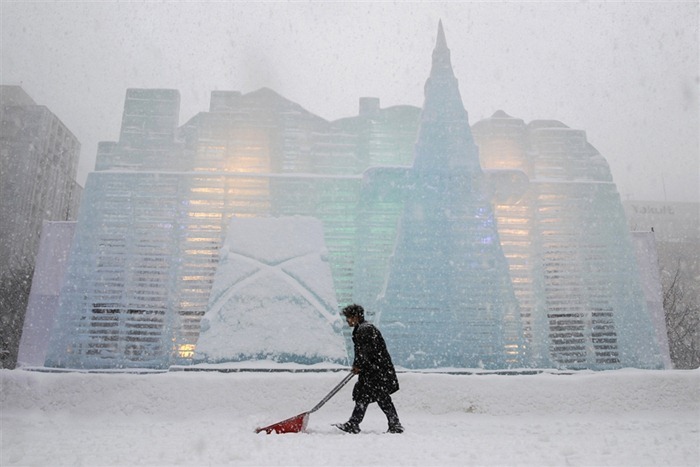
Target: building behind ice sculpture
[560,283]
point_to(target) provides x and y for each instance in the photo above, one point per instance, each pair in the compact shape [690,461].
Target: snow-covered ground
[626,417]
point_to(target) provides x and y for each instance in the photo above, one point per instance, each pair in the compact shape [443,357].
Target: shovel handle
[333,392]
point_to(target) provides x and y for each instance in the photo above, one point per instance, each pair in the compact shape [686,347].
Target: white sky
[625,72]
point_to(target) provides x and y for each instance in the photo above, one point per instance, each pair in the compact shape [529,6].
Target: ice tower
[447,299]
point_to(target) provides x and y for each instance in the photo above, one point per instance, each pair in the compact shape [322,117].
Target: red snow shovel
[298,423]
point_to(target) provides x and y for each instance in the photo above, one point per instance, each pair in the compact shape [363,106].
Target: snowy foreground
[626,417]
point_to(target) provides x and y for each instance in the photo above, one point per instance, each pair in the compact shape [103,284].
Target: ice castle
[499,245]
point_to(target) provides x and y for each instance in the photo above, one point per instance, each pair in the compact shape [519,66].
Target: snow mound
[273,296]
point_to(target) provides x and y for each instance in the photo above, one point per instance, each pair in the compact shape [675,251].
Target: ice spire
[441,54]
[445,140]
[447,299]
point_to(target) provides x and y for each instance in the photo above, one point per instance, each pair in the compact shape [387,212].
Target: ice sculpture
[49,273]
[273,296]
[648,261]
[515,254]
[570,253]
[447,301]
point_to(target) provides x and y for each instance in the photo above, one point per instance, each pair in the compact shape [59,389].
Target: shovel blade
[294,424]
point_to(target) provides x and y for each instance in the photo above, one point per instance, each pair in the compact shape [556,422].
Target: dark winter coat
[377,377]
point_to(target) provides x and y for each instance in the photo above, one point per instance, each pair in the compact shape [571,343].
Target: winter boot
[395,428]
[348,427]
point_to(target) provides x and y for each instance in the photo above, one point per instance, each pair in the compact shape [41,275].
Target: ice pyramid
[447,300]
[273,296]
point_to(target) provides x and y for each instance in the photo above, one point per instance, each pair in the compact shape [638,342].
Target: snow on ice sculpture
[448,300]
[273,296]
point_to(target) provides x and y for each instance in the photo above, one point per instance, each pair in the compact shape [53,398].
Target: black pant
[387,406]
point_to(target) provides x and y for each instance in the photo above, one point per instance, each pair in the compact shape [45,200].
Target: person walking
[377,379]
